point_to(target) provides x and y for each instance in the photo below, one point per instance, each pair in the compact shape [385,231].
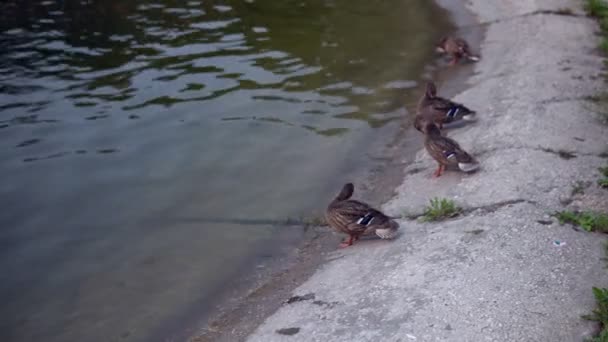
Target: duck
[439,110]
[456,47]
[356,218]
[446,151]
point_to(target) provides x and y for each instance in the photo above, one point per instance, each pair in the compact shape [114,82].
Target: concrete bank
[495,273]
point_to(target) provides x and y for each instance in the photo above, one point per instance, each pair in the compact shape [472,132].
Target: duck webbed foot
[348,242]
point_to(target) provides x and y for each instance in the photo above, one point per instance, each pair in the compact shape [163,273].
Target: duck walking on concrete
[457,48]
[436,109]
[446,151]
[356,218]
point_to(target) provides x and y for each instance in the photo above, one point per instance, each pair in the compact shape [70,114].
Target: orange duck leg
[351,239]
[439,170]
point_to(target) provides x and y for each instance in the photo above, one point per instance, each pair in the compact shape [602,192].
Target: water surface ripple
[150,147]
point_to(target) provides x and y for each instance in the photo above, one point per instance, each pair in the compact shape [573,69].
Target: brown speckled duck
[456,47]
[439,110]
[357,218]
[446,151]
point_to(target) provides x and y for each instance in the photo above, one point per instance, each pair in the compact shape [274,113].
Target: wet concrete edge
[257,295]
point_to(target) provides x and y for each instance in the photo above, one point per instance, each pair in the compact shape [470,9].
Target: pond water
[149,148]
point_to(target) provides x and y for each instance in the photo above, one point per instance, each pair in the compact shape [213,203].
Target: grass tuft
[600,313]
[596,8]
[605,258]
[604,44]
[439,209]
[603,182]
[603,337]
[604,24]
[589,221]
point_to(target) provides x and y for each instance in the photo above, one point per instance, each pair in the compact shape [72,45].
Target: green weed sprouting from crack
[599,10]
[603,182]
[605,258]
[603,337]
[600,313]
[604,44]
[439,209]
[589,221]
[596,8]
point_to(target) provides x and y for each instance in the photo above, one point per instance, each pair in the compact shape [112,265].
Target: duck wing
[453,151]
[452,110]
[445,150]
[354,217]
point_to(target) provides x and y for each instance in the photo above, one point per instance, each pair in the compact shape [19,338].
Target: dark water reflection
[118,118]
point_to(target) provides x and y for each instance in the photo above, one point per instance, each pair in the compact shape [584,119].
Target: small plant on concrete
[603,182]
[600,313]
[599,10]
[603,337]
[589,221]
[604,43]
[439,209]
[606,254]
[596,8]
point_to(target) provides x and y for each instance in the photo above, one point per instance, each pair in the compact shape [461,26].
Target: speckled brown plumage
[439,110]
[446,151]
[356,218]
[457,48]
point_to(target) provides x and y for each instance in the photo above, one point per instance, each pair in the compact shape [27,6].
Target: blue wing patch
[366,220]
[449,155]
[453,111]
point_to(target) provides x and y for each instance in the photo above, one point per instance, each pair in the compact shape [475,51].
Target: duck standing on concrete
[456,47]
[432,108]
[446,151]
[357,218]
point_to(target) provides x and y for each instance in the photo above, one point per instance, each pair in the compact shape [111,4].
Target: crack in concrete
[486,209]
[490,208]
[564,154]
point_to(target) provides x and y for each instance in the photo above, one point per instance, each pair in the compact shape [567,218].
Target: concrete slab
[496,273]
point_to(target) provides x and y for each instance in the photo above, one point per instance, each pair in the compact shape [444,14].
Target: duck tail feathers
[388,232]
[468,114]
[468,167]
[458,111]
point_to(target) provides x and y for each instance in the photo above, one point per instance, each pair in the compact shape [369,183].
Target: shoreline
[244,307]
[493,273]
